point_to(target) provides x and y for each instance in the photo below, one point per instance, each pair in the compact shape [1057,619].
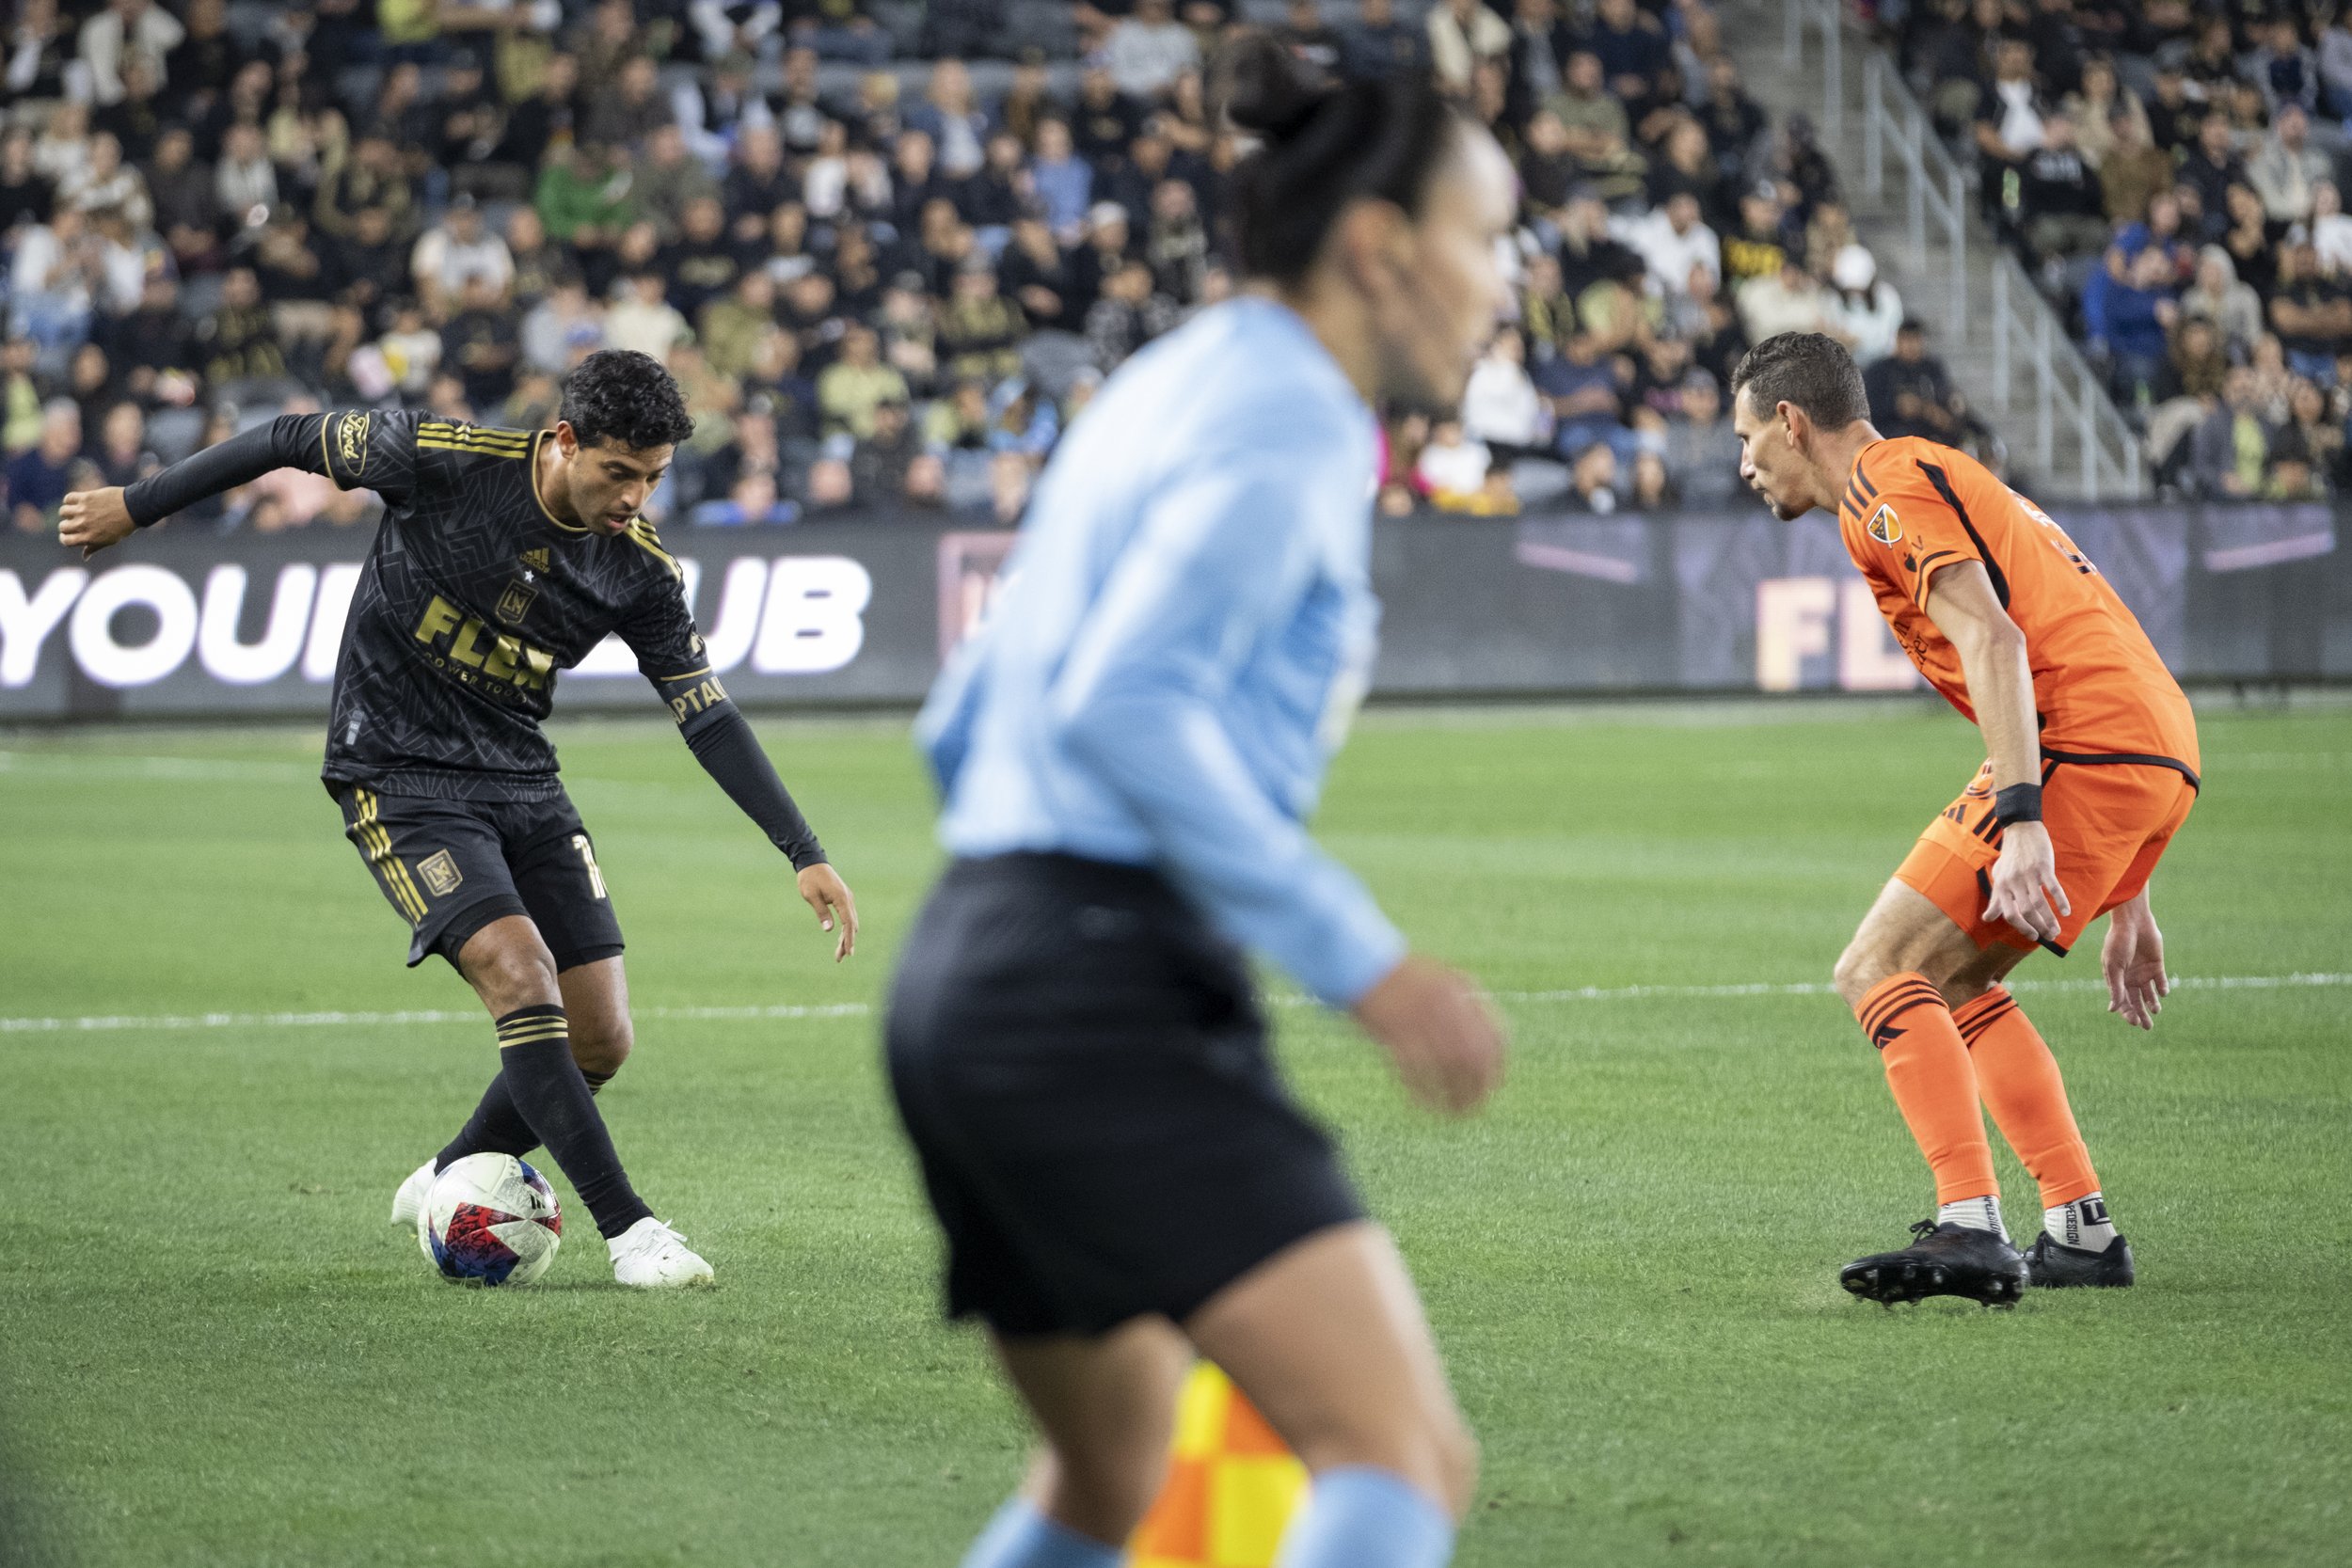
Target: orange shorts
[2109,823]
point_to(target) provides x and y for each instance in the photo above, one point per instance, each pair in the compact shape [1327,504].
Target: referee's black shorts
[1083,1072]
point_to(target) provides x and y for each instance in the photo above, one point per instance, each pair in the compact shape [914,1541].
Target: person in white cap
[1867,310]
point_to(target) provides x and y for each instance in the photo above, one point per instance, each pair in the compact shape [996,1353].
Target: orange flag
[1232,1485]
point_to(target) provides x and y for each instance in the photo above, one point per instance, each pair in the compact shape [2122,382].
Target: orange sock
[2020,1082]
[1936,1087]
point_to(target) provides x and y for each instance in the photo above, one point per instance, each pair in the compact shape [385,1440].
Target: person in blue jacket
[1127,750]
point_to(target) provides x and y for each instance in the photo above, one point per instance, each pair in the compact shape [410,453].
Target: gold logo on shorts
[1885,526]
[351,437]
[441,874]
[535,560]
[515,602]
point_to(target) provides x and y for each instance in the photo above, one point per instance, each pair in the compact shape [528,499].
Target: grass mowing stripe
[104,1023]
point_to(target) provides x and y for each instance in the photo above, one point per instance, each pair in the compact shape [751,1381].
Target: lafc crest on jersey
[1885,526]
[515,602]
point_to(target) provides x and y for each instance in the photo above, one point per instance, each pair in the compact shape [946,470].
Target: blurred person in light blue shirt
[1128,750]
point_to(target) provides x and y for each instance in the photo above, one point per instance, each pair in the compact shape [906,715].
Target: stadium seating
[820,214]
[2172,177]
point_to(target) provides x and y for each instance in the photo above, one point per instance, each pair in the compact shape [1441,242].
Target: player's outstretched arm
[2132,961]
[1965,608]
[90,520]
[722,742]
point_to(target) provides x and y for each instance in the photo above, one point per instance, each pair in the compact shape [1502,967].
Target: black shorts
[450,868]
[1083,1071]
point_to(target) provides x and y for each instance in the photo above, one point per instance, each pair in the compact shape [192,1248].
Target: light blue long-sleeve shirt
[1184,630]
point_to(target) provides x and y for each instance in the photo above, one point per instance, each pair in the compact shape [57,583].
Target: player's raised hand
[1440,1029]
[92,519]
[2026,890]
[2132,961]
[836,912]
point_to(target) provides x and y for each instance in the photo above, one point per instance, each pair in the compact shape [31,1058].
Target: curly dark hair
[620,396]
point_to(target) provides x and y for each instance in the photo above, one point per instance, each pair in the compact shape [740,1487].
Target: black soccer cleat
[1944,1260]
[2051,1265]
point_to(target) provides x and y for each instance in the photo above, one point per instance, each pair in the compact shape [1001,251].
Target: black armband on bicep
[282,443]
[721,740]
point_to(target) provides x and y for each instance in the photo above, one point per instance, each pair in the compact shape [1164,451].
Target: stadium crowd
[2173,172]
[890,247]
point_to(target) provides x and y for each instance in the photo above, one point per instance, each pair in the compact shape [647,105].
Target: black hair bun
[1268,90]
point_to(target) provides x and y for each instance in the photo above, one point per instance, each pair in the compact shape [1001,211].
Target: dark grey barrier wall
[862,612]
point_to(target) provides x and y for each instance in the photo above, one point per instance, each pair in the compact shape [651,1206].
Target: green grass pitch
[214,1350]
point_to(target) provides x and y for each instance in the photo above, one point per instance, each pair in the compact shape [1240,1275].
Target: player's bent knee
[509,967]
[602,1048]
[1859,968]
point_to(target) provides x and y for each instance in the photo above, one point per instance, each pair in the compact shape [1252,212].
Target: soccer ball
[489,1219]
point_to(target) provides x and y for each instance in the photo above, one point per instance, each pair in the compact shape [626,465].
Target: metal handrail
[2024,332]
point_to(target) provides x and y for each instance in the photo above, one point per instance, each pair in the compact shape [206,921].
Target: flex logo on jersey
[1885,526]
[515,602]
[471,652]
[351,443]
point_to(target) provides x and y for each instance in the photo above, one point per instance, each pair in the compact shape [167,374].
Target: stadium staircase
[1915,208]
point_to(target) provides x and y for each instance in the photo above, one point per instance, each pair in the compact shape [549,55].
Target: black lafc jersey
[472,599]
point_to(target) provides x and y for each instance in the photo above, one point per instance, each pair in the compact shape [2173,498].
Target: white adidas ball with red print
[490,1219]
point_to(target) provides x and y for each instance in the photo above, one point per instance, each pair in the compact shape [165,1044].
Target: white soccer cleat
[652,1256]
[408,1202]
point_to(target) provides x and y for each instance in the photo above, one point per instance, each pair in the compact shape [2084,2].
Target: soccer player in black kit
[505,556]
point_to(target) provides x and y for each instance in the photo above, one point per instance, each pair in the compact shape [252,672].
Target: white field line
[125,1021]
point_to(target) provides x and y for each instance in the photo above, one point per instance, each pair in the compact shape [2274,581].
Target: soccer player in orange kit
[2091,769]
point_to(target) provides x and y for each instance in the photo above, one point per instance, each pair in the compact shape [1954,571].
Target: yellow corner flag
[1232,1485]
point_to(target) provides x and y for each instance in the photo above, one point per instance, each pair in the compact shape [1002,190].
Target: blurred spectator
[1064,183]
[1701,450]
[1654,489]
[2059,204]
[1127,315]
[2287,168]
[856,383]
[40,476]
[456,251]
[123,32]
[2312,313]
[2133,170]
[1148,50]
[1864,308]
[2217,297]
[1452,468]
[1672,240]
[1461,34]
[481,344]
[1593,479]
[1501,408]
[643,319]
[1911,392]
[121,454]
[882,460]
[1379,46]
[2230,448]
[1793,301]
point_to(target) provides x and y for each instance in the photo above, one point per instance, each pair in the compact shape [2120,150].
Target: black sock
[495,1128]
[546,1087]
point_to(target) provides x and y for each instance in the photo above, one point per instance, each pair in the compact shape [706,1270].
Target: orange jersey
[1913,507]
